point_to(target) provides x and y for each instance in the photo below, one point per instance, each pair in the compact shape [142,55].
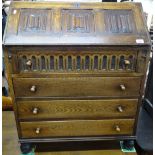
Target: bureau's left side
[8,71]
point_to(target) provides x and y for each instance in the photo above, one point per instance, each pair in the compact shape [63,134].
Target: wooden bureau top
[55,23]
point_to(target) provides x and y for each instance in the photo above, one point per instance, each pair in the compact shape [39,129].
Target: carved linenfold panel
[77,21]
[59,62]
[35,20]
[119,21]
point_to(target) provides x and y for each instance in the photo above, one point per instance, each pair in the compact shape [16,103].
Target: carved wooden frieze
[76,24]
[75,21]
[118,62]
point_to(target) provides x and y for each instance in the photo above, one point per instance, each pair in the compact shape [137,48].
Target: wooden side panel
[77,128]
[11,90]
[12,22]
[142,61]
[78,109]
[77,87]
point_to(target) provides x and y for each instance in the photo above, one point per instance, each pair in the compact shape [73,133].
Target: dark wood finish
[79,61]
[71,86]
[76,24]
[69,148]
[72,65]
[6,103]
[65,109]
[77,128]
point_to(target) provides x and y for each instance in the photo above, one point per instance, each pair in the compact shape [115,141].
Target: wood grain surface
[35,29]
[10,141]
[77,87]
[77,128]
[73,60]
[99,24]
[76,109]
[92,152]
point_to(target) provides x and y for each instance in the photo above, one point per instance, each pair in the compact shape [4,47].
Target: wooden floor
[103,152]
[10,144]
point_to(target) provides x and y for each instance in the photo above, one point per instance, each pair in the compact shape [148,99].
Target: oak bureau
[76,71]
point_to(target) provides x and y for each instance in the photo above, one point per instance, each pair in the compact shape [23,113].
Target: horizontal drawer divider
[93,74]
[77,98]
[74,119]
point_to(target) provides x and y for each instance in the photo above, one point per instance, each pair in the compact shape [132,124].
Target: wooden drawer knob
[122,87]
[119,109]
[29,63]
[127,62]
[37,131]
[35,111]
[33,88]
[117,128]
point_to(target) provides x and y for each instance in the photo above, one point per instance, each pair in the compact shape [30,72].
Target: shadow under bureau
[76,71]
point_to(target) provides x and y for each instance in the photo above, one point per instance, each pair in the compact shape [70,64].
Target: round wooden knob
[29,63]
[117,128]
[122,87]
[37,130]
[120,109]
[127,62]
[33,88]
[35,111]
[10,56]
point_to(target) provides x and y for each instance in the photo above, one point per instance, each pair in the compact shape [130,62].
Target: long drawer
[76,109]
[77,87]
[77,128]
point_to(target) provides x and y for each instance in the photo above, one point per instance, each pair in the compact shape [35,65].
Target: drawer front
[77,87]
[77,128]
[74,61]
[77,109]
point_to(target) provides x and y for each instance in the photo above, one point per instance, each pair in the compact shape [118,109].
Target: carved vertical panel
[77,21]
[119,21]
[35,20]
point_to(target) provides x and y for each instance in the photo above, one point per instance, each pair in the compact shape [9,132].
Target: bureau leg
[26,148]
[128,144]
